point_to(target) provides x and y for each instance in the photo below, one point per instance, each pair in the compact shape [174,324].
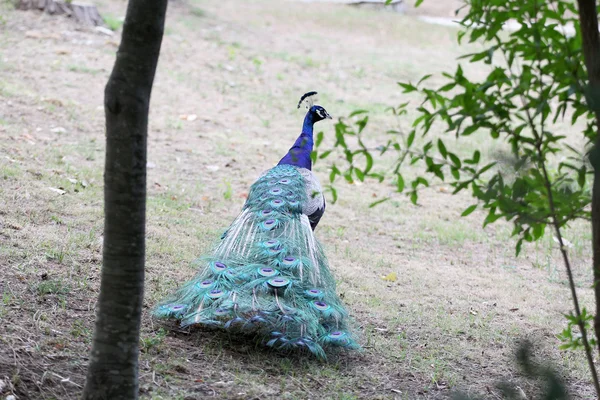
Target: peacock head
[316,112]
[319,113]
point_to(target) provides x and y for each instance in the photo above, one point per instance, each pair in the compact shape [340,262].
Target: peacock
[268,276]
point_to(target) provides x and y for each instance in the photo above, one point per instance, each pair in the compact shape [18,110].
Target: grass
[450,319]
[112,23]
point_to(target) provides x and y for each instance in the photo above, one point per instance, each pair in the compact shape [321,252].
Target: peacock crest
[308,99]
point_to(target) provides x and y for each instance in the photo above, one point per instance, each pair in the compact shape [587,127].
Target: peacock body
[269,275]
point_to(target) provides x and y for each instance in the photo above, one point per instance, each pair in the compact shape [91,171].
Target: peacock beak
[327,116]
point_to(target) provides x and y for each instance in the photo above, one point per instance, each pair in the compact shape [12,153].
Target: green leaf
[418,3]
[469,130]
[455,173]
[333,194]
[357,112]
[455,160]
[414,197]
[423,79]
[319,139]
[442,148]
[399,183]
[469,210]
[581,173]
[373,204]
[447,87]
[411,138]
[359,174]
[334,172]
[408,87]
[538,231]
[325,154]
[369,163]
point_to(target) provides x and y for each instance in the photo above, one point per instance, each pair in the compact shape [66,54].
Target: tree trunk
[588,19]
[84,13]
[113,368]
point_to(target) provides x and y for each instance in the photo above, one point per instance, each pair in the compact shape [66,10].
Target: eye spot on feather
[221,312]
[272,243]
[215,294]
[266,212]
[267,272]
[337,335]
[278,282]
[218,267]
[290,261]
[314,293]
[205,284]
[277,203]
[320,305]
[269,224]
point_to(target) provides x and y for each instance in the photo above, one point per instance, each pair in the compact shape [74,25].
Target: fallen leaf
[104,31]
[565,241]
[188,117]
[34,34]
[514,309]
[55,102]
[56,190]
[391,277]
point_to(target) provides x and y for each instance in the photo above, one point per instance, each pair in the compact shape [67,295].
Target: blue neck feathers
[299,153]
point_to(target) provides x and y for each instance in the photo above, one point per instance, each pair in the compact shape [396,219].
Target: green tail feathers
[268,275]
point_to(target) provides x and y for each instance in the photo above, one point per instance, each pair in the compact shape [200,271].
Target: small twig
[65,380]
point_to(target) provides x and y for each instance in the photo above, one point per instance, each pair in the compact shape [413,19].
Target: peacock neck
[299,154]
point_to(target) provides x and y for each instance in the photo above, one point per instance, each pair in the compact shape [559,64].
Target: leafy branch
[536,79]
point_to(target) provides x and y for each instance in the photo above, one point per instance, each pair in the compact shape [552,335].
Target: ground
[223,110]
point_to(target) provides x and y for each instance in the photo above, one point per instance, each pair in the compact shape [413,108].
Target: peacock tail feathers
[268,275]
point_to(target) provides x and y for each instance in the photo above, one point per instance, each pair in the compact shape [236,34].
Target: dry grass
[451,319]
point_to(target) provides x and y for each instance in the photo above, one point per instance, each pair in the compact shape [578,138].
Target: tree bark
[113,368]
[588,19]
[84,13]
